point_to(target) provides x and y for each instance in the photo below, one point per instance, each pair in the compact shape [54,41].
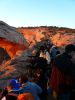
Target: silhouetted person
[62,74]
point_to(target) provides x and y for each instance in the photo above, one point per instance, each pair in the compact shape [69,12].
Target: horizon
[35,26]
[31,13]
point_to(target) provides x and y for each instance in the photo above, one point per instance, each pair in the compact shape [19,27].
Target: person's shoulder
[34,84]
[59,57]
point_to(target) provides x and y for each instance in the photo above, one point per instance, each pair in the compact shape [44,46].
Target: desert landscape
[37,50]
[17,43]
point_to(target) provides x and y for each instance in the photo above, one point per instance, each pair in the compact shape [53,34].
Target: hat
[15,85]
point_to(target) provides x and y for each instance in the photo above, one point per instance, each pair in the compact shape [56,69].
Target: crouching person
[12,91]
[30,87]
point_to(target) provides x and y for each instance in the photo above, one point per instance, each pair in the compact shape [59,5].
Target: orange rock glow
[11,47]
[31,35]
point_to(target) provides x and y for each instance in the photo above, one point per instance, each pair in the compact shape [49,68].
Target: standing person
[40,76]
[53,51]
[45,54]
[61,76]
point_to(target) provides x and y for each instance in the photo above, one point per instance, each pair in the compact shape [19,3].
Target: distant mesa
[60,36]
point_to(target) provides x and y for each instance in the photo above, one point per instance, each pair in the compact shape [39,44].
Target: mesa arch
[11,47]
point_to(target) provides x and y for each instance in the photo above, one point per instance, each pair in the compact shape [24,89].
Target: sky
[25,13]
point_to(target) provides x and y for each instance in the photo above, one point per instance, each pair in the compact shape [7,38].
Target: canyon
[17,43]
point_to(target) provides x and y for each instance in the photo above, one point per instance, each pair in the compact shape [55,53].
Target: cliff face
[11,40]
[11,48]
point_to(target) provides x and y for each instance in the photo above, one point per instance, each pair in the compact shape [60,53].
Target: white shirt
[4,98]
[46,55]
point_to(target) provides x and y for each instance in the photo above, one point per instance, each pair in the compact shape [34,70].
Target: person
[13,89]
[40,76]
[53,51]
[7,94]
[14,86]
[45,54]
[61,77]
[30,87]
[25,96]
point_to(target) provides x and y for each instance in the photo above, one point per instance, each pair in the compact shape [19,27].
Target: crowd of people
[51,76]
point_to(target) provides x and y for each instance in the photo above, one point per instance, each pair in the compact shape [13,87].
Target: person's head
[42,48]
[70,49]
[23,78]
[25,96]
